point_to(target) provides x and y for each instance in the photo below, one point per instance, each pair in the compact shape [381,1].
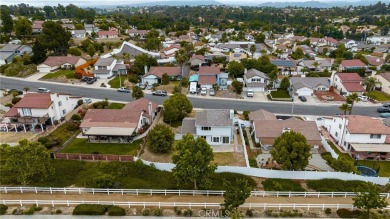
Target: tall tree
[252,49]
[7,23]
[193,162]
[55,38]
[39,52]
[298,54]
[23,28]
[91,50]
[285,83]
[236,69]
[345,108]
[181,57]
[25,163]
[176,107]
[160,139]
[140,61]
[236,194]
[137,92]
[370,83]
[352,99]
[291,151]
[369,199]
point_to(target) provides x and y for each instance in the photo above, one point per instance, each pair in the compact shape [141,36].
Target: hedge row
[86,209]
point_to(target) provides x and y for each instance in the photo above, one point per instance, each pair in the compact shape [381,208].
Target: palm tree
[26,89]
[316,64]
[125,57]
[181,58]
[352,99]
[345,108]
[370,83]
[273,76]
[252,49]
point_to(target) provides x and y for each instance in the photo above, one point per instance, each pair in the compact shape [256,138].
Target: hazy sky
[113,2]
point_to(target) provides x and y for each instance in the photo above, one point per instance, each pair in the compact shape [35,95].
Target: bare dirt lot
[14,137]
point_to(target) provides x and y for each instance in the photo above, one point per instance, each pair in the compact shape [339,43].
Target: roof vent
[286,130]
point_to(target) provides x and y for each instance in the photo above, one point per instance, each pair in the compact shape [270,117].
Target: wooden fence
[93,157]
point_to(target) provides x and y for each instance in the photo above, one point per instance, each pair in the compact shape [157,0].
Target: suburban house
[53,63]
[35,111]
[352,65]
[37,27]
[365,137]
[132,50]
[316,65]
[155,74]
[286,67]
[9,51]
[384,80]
[216,126]
[349,44]
[119,125]
[209,76]
[237,56]
[348,83]
[266,128]
[134,32]
[306,86]
[79,34]
[197,60]
[107,34]
[377,62]
[255,80]
[90,28]
[108,68]
[330,41]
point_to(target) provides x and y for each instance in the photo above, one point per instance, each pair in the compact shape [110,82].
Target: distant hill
[318,4]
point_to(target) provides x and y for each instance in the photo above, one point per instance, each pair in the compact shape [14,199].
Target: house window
[26,111]
[60,103]
[225,140]
[203,136]
[63,111]
[376,136]
[336,134]
[215,139]
[206,128]
[339,126]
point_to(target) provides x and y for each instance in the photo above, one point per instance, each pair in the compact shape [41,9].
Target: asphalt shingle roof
[213,117]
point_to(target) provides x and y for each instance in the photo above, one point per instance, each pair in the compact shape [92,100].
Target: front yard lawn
[115,82]
[380,96]
[384,166]
[116,106]
[280,94]
[67,73]
[80,145]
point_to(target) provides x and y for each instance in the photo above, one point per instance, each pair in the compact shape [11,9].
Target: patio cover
[371,147]
[110,131]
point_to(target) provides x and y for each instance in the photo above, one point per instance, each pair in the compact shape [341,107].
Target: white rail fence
[267,173]
[177,204]
[172,192]
[244,143]
[328,148]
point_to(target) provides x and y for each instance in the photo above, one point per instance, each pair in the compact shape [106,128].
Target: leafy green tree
[25,163]
[75,51]
[141,60]
[236,194]
[23,28]
[79,26]
[7,23]
[361,58]
[91,50]
[236,69]
[176,108]
[238,86]
[272,77]
[193,162]
[344,165]
[252,49]
[165,79]
[181,57]
[285,83]
[160,139]
[137,92]
[298,54]
[259,38]
[345,108]
[369,199]
[55,38]
[153,43]
[370,83]
[291,151]
[39,52]
[103,180]
[352,99]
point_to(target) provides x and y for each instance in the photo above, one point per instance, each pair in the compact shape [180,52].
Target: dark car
[91,80]
[387,105]
[302,98]
[383,110]
[159,93]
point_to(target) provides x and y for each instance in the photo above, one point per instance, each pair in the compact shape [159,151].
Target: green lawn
[280,94]
[114,83]
[80,145]
[338,151]
[384,166]
[67,73]
[116,106]
[380,96]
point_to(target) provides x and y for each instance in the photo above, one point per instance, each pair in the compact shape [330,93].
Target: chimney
[150,112]
[146,69]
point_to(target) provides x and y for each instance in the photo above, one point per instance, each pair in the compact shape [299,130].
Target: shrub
[146,212]
[80,102]
[158,212]
[176,89]
[10,105]
[177,211]
[15,100]
[249,213]
[281,185]
[86,209]
[187,212]
[76,117]
[32,209]
[133,79]
[344,213]
[185,82]
[77,75]
[58,211]
[103,180]
[116,211]
[334,185]
[3,209]
[246,114]
[328,211]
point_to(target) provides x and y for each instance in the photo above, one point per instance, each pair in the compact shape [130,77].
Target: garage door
[304,92]
[44,69]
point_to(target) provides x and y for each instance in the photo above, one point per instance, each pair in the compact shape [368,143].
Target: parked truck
[193,87]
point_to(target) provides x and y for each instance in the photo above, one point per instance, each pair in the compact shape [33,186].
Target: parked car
[84,79]
[124,90]
[203,91]
[87,100]
[250,93]
[149,87]
[91,80]
[302,98]
[141,85]
[387,105]
[363,98]
[159,93]
[385,115]
[212,92]
[383,110]
[43,90]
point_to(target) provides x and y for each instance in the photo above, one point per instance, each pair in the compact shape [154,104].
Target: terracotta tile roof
[37,24]
[331,40]
[139,105]
[351,77]
[274,128]
[160,70]
[197,57]
[385,76]
[12,112]
[262,114]
[353,87]
[209,70]
[375,61]
[353,63]
[60,60]
[366,125]
[207,79]
[35,100]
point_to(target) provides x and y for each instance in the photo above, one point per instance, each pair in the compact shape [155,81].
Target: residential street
[208,103]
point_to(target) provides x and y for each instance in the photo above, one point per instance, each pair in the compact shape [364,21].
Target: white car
[203,91]
[87,100]
[363,98]
[250,93]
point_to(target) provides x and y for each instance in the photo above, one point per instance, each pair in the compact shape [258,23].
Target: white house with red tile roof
[119,124]
[352,65]
[37,27]
[384,80]
[107,34]
[53,63]
[39,109]
[348,83]
[330,41]
[155,74]
[208,76]
[364,136]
